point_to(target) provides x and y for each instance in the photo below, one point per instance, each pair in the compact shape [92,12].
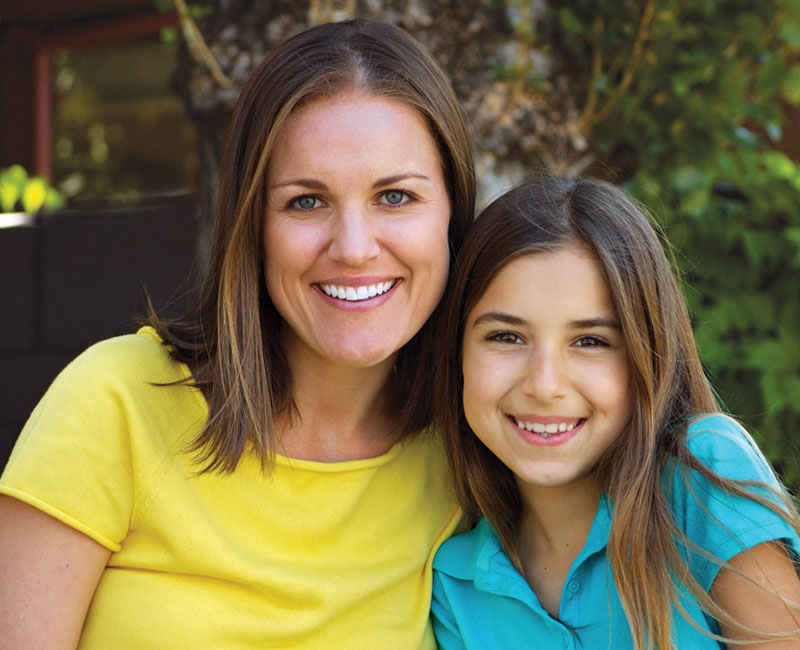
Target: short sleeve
[444,623]
[73,459]
[717,521]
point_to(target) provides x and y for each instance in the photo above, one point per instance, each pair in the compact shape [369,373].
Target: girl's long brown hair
[668,381]
[231,340]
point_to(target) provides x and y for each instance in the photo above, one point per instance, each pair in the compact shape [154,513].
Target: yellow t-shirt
[315,555]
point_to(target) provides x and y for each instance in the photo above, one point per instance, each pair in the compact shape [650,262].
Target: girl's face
[546,382]
[356,229]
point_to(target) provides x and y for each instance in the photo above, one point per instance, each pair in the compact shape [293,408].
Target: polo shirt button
[572,586]
[566,641]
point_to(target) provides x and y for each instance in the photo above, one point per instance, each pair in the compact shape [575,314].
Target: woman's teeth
[546,430]
[357,293]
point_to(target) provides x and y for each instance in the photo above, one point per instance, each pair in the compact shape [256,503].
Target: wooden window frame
[97,34]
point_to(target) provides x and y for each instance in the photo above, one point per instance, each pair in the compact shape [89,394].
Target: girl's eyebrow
[499,316]
[510,319]
[590,323]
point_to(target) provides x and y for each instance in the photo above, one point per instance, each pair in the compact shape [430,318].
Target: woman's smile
[357,293]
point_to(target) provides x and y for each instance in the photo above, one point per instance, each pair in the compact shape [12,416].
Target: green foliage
[22,193]
[689,120]
[737,226]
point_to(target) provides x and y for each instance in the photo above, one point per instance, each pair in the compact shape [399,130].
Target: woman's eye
[590,342]
[395,197]
[505,337]
[305,202]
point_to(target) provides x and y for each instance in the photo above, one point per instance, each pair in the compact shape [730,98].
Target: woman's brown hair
[231,341]
[667,379]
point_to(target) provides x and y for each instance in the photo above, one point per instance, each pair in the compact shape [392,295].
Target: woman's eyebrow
[314,184]
[310,183]
[396,178]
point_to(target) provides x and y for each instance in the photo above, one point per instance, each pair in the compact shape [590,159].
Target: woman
[257,474]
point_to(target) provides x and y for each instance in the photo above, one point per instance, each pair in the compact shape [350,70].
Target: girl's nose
[546,378]
[353,241]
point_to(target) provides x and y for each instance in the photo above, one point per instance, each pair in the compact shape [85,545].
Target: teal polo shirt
[481,602]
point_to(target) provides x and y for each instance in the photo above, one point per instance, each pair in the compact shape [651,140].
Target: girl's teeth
[546,430]
[354,294]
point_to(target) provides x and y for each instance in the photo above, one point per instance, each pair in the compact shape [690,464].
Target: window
[105,124]
[119,132]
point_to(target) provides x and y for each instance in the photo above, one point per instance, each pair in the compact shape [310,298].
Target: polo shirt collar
[491,569]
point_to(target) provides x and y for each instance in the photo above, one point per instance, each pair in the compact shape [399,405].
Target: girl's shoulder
[460,555]
[720,521]
[716,424]
[723,445]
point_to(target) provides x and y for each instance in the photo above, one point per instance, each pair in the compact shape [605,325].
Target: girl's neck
[342,411]
[553,529]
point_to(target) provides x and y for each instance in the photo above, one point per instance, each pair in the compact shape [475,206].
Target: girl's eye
[395,197]
[305,202]
[508,338]
[590,342]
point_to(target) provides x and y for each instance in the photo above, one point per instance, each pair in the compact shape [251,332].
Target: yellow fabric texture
[315,555]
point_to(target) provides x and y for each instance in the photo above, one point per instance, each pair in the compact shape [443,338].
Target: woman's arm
[48,574]
[753,605]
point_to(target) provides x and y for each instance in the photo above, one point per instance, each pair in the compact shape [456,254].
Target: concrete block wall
[72,278]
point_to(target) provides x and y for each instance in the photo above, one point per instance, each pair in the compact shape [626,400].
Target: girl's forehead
[568,278]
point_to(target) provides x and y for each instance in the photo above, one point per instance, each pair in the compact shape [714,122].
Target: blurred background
[113,114]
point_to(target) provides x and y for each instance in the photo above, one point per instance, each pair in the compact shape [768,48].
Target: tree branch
[590,118]
[597,68]
[197,45]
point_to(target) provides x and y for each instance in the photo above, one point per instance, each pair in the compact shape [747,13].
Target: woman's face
[355,231]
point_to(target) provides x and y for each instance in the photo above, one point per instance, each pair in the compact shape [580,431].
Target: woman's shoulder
[142,355]
[118,384]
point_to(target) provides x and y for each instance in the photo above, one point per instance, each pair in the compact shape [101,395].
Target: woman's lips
[356,293]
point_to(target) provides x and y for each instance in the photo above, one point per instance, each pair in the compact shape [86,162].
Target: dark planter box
[72,278]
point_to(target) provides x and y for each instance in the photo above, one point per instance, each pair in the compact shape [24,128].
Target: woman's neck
[342,412]
[553,529]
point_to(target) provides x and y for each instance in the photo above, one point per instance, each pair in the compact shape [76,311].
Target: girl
[621,509]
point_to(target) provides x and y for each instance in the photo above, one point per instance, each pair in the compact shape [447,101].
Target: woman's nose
[354,240]
[546,377]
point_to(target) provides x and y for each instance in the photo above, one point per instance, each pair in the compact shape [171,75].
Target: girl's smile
[546,384]
[556,432]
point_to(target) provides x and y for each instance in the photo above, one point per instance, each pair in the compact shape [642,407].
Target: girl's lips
[551,434]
